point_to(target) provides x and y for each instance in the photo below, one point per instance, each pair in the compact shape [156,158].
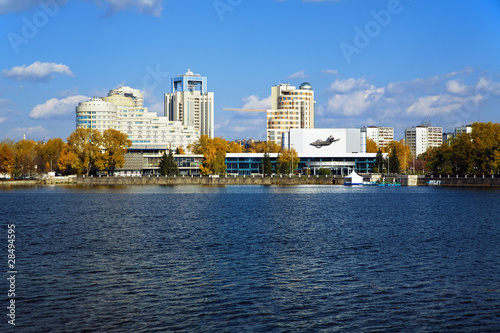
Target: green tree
[168,166]
[266,165]
[379,162]
[324,172]
[395,166]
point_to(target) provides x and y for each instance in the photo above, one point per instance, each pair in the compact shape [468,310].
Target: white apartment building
[421,138]
[463,130]
[381,135]
[290,108]
[123,110]
[191,103]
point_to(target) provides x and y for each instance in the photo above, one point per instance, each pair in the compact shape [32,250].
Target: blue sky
[370,62]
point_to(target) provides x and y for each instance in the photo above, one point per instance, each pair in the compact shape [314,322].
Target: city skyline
[382,63]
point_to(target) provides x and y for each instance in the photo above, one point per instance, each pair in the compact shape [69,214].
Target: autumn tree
[69,162]
[87,146]
[214,151]
[51,151]
[115,144]
[7,159]
[371,146]
[179,151]
[285,159]
[25,152]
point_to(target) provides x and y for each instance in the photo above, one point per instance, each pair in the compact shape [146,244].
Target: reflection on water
[255,258]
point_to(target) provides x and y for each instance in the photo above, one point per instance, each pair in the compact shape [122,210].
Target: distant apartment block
[290,108]
[423,137]
[463,130]
[191,103]
[123,110]
[381,135]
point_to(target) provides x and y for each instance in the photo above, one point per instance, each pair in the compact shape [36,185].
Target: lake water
[254,259]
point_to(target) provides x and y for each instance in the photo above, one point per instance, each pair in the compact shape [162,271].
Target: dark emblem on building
[320,143]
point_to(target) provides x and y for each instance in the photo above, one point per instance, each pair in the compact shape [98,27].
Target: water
[254,259]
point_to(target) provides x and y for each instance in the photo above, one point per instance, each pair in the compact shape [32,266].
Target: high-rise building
[381,135]
[423,137]
[290,108]
[191,103]
[123,110]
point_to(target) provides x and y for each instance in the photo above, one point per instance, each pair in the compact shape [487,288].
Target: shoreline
[465,181]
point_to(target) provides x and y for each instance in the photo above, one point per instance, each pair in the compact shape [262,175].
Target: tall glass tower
[191,103]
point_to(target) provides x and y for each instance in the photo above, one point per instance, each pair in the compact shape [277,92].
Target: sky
[370,62]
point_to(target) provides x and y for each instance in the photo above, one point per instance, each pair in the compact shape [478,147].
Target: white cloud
[33,133]
[57,107]
[298,75]
[150,7]
[330,72]
[36,72]
[439,96]
[253,102]
[455,87]
[345,86]
[2,120]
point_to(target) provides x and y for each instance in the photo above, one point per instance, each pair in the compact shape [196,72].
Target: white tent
[353,179]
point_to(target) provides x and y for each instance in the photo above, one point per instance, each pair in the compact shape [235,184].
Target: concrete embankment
[216,181]
[465,181]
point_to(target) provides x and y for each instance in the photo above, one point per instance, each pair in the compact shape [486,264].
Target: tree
[379,162]
[87,145]
[7,159]
[395,166]
[324,172]
[51,151]
[68,162]
[168,166]
[266,165]
[179,151]
[285,159]
[371,146]
[25,153]
[214,151]
[116,144]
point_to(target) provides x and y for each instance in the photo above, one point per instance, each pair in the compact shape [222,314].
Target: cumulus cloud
[149,7]
[36,72]
[442,96]
[330,72]
[34,133]
[57,107]
[253,102]
[298,75]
